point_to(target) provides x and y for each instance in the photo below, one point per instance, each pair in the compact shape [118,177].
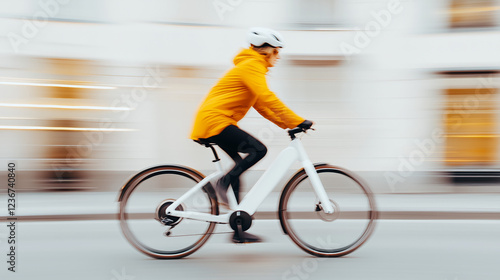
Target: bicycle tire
[308,216]
[192,176]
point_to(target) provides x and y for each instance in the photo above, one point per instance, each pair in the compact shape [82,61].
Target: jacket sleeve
[267,103]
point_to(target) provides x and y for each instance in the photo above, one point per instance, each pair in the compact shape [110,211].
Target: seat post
[218,166]
[207,144]
[214,151]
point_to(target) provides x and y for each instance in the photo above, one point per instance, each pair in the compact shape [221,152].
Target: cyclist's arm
[267,103]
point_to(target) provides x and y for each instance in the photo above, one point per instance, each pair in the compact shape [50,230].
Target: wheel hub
[161,213]
[328,217]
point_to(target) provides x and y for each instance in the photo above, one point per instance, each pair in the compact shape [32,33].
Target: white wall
[370,109]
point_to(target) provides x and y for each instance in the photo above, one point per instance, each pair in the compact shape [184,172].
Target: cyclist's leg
[233,141]
[235,181]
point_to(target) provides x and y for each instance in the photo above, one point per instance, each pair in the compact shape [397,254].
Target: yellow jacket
[244,86]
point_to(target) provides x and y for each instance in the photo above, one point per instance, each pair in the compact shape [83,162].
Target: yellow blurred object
[471,127]
[472,13]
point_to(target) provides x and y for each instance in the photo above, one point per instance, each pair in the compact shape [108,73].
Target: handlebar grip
[306,124]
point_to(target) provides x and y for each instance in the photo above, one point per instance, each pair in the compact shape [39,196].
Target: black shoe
[220,189]
[245,238]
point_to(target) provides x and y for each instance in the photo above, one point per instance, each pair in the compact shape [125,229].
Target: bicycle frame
[266,183]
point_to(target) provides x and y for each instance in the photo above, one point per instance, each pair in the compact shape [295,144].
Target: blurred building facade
[398,88]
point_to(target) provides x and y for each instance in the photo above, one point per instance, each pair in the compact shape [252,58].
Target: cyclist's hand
[306,124]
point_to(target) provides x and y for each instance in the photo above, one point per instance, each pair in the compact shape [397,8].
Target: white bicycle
[327,211]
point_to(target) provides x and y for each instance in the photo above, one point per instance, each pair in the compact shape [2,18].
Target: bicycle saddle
[205,142]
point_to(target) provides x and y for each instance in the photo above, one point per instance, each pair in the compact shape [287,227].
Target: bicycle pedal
[245,238]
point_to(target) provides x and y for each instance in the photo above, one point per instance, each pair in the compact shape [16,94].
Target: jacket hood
[248,54]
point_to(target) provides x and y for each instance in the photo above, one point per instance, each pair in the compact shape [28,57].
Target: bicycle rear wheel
[328,235]
[142,212]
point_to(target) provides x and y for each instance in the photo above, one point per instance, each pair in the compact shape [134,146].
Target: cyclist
[244,86]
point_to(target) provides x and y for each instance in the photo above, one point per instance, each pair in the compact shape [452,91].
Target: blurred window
[471,126]
[473,13]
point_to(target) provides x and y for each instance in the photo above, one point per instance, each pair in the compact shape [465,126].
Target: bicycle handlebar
[293,131]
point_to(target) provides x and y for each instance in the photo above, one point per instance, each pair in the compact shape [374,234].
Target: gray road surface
[399,249]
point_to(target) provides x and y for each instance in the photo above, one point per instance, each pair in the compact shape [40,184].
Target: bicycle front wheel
[328,235]
[142,212]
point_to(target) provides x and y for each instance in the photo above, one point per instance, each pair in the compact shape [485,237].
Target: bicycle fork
[313,175]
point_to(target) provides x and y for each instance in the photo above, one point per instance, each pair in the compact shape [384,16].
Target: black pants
[233,141]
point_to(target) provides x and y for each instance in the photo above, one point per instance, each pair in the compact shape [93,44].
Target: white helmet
[258,36]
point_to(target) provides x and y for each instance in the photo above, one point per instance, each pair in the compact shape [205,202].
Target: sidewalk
[104,205]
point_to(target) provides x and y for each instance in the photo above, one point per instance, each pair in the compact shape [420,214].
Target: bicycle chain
[184,235]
